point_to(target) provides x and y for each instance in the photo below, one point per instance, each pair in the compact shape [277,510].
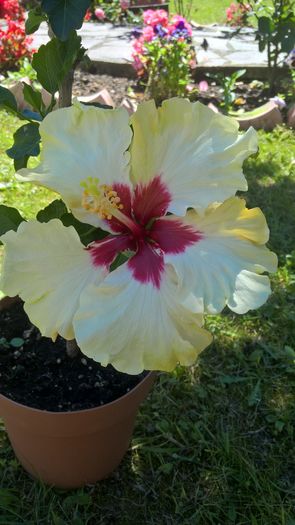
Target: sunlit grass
[28,198]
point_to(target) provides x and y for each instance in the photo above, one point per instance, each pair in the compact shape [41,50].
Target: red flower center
[144,228]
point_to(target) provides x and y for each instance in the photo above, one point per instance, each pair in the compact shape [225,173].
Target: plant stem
[65,91]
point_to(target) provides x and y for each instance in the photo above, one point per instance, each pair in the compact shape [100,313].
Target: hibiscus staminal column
[104,201]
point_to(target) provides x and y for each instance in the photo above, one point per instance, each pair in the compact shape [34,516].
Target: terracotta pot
[266,117]
[72,449]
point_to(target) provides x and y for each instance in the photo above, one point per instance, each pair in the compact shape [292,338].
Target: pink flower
[236,14]
[177,18]
[138,64]
[125,4]
[229,15]
[153,17]
[148,16]
[148,33]
[137,45]
[203,85]
[99,13]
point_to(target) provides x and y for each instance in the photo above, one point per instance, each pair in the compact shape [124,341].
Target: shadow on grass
[276,197]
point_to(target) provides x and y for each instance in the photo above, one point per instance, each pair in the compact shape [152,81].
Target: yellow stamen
[100,198]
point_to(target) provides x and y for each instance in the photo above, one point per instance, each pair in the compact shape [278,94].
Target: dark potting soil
[38,373]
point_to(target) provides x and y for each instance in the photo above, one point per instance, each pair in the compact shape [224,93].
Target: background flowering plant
[11,9]
[114,11]
[163,54]
[14,43]
[237,14]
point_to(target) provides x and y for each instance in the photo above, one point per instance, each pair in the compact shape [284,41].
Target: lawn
[214,444]
[203,12]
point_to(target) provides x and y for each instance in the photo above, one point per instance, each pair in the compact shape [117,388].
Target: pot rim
[62,413]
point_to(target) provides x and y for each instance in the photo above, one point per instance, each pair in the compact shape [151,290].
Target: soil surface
[38,373]
[248,95]
[87,83]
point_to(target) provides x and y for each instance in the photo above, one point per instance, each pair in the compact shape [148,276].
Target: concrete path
[109,48]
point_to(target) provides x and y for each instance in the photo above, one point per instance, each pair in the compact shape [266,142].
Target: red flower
[11,9]
[88,15]
[14,44]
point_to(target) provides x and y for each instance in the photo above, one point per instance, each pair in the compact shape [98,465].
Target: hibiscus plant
[149,235]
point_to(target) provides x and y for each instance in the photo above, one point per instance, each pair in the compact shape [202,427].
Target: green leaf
[33,97]
[48,66]
[35,18]
[239,73]
[54,60]
[120,259]
[279,425]
[21,163]
[286,35]
[86,232]
[74,500]
[57,520]
[55,210]
[26,142]
[7,100]
[10,219]
[229,380]
[261,44]
[255,395]
[166,468]
[265,25]
[65,15]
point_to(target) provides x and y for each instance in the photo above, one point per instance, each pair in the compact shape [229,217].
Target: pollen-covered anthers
[100,198]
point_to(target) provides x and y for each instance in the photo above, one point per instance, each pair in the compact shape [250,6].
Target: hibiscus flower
[163,185]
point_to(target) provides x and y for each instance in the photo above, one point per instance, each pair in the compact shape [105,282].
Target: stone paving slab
[111,46]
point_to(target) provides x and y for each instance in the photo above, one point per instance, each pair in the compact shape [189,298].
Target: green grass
[206,12]
[214,444]
[29,198]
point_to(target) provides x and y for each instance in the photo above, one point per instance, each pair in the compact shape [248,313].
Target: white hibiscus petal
[224,266]
[137,326]
[48,267]
[79,142]
[250,288]
[198,153]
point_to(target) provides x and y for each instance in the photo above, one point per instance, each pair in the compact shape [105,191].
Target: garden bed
[249,95]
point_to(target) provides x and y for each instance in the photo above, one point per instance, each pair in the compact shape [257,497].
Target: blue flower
[160,31]
[136,32]
[177,33]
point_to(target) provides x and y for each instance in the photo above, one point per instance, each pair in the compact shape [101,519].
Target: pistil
[102,200]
